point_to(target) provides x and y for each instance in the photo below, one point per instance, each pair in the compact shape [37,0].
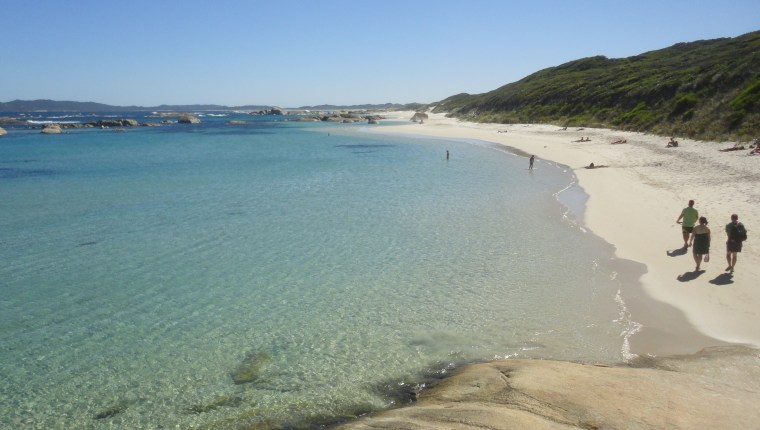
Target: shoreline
[697,362]
[633,205]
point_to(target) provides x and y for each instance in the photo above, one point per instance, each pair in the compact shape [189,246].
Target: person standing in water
[530,165]
[690,217]
[700,242]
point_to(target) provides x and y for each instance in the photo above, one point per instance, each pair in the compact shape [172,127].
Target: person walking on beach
[700,242]
[736,234]
[532,159]
[690,217]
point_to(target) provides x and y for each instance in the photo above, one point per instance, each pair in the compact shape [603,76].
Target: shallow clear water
[140,270]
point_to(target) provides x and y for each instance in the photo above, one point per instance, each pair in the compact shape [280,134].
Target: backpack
[740,233]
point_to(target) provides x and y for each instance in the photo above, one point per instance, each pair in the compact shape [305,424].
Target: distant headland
[73,106]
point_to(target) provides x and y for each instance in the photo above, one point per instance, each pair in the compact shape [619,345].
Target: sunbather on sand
[592,166]
[736,147]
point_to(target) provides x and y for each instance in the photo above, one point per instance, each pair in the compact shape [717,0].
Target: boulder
[129,123]
[3,132]
[419,116]
[277,111]
[52,129]
[188,119]
[716,388]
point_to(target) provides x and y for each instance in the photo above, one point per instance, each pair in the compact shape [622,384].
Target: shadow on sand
[677,252]
[723,279]
[690,276]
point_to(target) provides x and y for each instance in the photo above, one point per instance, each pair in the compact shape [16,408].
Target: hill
[706,89]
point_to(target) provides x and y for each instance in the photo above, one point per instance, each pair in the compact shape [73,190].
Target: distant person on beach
[736,234]
[447,154]
[595,166]
[672,143]
[700,242]
[532,159]
[690,217]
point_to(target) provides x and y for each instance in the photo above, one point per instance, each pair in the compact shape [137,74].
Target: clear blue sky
[296,53]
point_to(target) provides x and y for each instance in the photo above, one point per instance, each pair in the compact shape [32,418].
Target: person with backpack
[736,235]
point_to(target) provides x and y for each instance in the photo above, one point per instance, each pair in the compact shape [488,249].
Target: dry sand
[633,204]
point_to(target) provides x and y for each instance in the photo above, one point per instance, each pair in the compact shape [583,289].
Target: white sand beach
[634,203]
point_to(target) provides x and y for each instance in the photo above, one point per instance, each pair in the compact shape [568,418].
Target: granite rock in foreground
[716,388]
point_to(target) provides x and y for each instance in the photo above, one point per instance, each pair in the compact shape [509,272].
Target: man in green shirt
[690,217]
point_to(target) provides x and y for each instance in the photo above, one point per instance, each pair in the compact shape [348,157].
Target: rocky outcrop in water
[3,132]
[11,121]
[188,119]
[103,123]
[52,129]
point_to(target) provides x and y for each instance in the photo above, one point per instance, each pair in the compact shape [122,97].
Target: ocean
[279,274]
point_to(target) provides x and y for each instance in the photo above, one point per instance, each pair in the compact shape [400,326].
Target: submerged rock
[2,131]
[219,402]
[111,411]
[250,368]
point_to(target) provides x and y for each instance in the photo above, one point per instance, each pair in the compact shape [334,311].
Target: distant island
[73,106]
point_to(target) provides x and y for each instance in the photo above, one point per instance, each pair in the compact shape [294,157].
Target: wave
[52,122]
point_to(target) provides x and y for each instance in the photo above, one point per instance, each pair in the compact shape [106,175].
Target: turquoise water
[144,273]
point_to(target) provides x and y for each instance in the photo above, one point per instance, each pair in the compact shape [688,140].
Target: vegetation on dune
[707,89]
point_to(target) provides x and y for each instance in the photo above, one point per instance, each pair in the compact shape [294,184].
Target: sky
[340,52]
